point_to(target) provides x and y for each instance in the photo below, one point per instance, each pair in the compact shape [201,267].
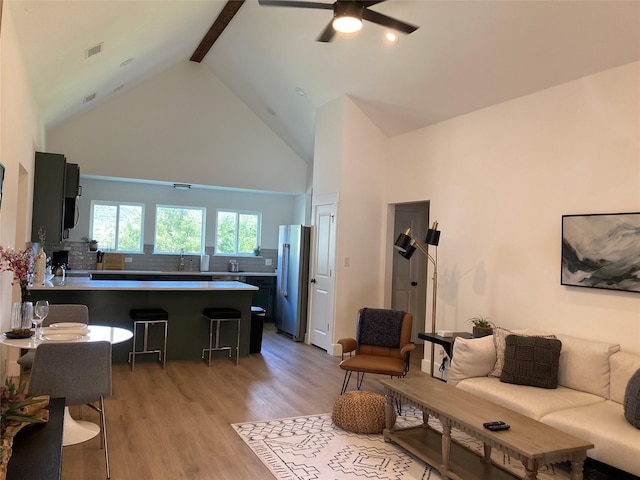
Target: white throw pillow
[473,357]
[499,342]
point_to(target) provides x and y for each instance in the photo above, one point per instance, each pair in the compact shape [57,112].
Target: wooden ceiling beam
[220,23]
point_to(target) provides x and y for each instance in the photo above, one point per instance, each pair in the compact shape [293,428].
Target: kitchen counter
[109,302]
[86,283]
[183,273]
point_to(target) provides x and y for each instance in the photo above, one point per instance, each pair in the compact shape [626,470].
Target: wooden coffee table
[529,441]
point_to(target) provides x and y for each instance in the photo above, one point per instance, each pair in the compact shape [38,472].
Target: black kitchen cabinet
[55,187]
[265,297]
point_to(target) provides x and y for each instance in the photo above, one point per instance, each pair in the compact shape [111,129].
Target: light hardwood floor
[176,423]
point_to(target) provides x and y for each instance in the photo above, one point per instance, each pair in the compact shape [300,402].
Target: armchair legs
[347,378]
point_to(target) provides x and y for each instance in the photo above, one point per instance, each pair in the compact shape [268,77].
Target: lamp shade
[432,236]
[408,253]
[403,242]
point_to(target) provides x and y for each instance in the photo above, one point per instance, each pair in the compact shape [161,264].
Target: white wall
[277,209]
[350,160]
[500,179]
[185,126]
[20,135]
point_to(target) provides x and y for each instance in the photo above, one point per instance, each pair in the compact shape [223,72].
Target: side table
[37,449]
[444,342]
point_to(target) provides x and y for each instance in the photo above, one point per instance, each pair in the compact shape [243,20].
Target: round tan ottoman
[361,412]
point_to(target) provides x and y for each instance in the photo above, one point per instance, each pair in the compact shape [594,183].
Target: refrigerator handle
[284,269]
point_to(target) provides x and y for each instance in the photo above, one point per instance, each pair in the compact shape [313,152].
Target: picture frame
[601,250]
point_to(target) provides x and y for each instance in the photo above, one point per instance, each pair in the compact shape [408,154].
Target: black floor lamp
[406,245]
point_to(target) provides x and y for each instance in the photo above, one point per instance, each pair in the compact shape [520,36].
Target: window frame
[117,204]
[203,229]
[258,214]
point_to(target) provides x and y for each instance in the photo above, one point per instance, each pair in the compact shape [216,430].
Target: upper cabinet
[55,188]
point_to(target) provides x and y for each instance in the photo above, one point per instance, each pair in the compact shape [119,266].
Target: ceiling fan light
[347,24]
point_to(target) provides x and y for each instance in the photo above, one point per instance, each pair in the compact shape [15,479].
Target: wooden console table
[531,442]
[37,449]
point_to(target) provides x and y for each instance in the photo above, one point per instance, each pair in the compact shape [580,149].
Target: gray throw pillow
[632,400]
[531,361]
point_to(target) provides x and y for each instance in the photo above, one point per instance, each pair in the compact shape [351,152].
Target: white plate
[68,325]
[62,337]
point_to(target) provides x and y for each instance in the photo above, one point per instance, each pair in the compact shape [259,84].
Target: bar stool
[147,317]
[219,315]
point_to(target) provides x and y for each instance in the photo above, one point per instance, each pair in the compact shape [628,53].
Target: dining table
[74,431]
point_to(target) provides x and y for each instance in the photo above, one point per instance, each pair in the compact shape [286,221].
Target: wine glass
[40,311]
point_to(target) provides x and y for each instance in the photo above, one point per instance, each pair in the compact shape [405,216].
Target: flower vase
[22,315]
[40,265]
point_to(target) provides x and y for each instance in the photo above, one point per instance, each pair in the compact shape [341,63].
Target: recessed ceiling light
[126,62]
[301,92]
[391,37]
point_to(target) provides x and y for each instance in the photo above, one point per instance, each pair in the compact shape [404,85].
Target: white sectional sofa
[588,402]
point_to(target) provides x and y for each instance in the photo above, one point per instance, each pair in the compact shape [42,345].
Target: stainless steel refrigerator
[293,280]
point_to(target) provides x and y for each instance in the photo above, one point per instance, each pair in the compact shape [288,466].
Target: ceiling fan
[347,15]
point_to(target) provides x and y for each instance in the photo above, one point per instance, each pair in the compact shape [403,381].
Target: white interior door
[409,282]
[321,275]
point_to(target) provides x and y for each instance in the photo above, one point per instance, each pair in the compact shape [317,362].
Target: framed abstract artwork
[601,251]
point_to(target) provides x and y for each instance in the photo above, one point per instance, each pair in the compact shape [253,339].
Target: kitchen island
[109,302]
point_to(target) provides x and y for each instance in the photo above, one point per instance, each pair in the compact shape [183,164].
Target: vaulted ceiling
[466,55]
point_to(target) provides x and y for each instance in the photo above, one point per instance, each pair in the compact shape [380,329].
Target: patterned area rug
[312,447]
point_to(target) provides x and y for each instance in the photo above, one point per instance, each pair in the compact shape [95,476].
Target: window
[179,229]
[117,226]
[237,233]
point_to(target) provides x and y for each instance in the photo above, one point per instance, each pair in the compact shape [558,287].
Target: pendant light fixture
[348,17]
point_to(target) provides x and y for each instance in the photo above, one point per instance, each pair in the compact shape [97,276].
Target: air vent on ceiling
[88,98]
[90,52]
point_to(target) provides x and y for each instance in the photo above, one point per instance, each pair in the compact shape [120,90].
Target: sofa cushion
[632,400]
[531,361]
[623,365]
[584,365]
[603,424]
[499,340]
[473,357]
[530,401]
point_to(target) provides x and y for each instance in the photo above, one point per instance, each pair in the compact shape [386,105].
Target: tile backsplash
[80,258]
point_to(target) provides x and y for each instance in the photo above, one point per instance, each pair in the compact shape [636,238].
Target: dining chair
[79,372]
[58,313]
[382,345]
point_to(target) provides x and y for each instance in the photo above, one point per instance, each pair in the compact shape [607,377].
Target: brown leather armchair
[382,345]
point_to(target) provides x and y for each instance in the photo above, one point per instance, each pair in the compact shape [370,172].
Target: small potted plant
[481,326]
[93,244]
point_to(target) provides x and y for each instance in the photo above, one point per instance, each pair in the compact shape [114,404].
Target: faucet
[181,264]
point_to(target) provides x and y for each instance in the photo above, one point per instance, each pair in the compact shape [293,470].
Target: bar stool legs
[219,315]
[146,318]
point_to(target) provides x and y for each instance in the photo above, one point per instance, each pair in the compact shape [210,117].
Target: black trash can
[257,324]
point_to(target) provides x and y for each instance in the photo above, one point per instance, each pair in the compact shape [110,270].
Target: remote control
[492,424]
[496,426]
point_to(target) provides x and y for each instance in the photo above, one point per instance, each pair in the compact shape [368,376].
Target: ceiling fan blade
[387,21]
[293,3]
[327,34]
[369,3]
[220,23]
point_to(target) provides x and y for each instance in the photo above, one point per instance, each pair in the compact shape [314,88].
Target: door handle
[414,284]
[313,280]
